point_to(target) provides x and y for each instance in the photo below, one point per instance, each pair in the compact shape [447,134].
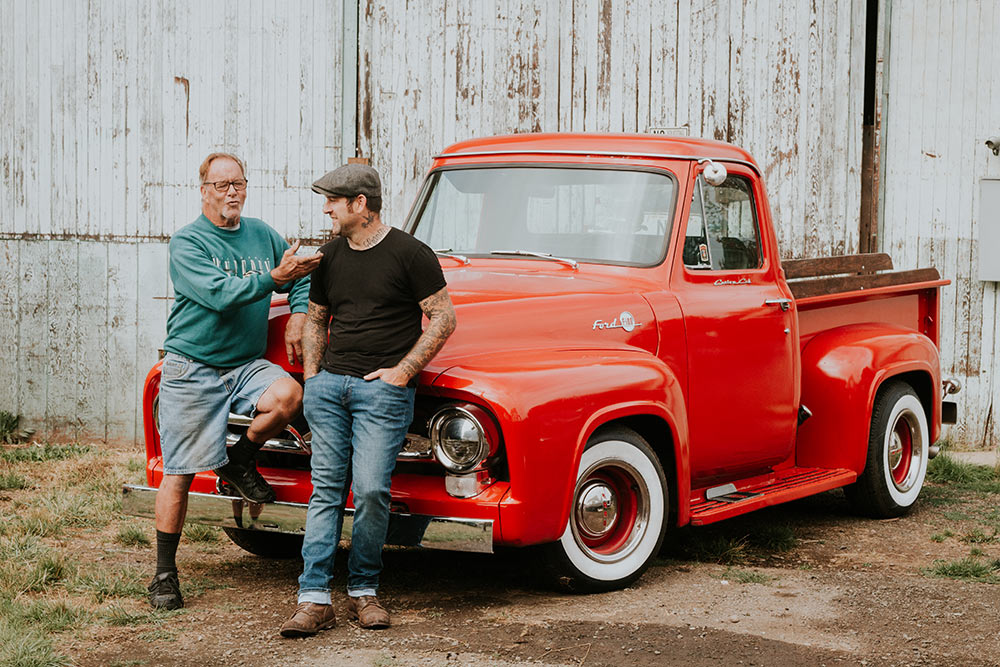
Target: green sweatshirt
[222,288]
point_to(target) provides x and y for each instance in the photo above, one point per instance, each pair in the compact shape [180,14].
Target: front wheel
[617,517]
[898,446]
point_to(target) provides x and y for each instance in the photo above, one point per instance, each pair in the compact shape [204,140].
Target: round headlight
[460,439]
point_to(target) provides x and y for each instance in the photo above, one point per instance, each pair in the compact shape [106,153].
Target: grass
[118,615]
[942,536]
[977,536]
[104,584]
[970,568]
[757,538]
[11,481]
[47,584]
[746,576]
[24,646]
[9,426]
[963,476]
[196,532]
[132,536]
[50,616]
[41,453]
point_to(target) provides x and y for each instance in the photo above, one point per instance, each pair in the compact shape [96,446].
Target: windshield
[597,215]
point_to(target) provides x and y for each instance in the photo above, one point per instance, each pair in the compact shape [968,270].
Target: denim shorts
[195,402]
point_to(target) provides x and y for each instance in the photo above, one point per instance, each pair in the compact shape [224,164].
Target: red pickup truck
[631,356]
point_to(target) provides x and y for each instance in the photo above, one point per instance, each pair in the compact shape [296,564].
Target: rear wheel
[898,446]
[266,543]
[617,517]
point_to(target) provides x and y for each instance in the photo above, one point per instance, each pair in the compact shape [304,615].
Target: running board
[785,485]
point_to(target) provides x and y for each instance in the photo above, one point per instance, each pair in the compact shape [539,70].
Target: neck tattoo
[379,234]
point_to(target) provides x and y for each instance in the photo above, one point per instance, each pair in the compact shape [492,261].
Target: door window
[722,231]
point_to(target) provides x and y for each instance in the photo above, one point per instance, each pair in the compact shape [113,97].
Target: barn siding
[102,130]
[720,69]
[941,107]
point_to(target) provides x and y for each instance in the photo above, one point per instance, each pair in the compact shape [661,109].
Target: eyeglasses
[223,186]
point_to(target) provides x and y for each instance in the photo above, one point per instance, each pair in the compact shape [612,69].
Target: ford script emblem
[624,321]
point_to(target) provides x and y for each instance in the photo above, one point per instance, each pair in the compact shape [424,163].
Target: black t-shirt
[373,297]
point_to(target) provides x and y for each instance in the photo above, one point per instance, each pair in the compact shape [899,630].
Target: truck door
[739,317]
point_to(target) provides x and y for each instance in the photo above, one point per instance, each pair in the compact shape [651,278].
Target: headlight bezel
[488,436]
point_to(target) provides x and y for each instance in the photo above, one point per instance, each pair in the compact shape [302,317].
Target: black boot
[242,475]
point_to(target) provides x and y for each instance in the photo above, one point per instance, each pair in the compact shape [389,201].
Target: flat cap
[349,180]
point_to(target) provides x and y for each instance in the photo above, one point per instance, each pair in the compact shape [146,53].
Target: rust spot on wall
[187,104]
[366,114]
[604,38]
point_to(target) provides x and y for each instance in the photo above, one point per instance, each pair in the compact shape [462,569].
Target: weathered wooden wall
[106,110]
[782,78]
[107,107]
[942,104]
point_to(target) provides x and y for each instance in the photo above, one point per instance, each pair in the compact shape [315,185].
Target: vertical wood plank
[63,367]
[93,357]
[122,325]
[33,331]
[10,315]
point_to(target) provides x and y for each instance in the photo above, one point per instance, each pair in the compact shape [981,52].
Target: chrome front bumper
[409,530]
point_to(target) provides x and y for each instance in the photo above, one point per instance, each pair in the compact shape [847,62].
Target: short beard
[230,222]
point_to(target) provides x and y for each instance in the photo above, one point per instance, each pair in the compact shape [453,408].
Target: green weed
[963,476]
[746,576]
[12,482]
[714,548]
[10,428]
[967,569]
[24,646]
[196,532]
[41,453]
[48,615]
[102,585]
[773,537]
[977,536]
[132,536]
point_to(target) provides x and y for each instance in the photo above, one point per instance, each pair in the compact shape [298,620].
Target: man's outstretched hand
[293,267]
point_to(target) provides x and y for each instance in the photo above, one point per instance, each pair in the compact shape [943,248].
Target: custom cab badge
[625,321]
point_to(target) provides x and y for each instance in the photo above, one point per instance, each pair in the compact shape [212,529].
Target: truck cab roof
[646,145]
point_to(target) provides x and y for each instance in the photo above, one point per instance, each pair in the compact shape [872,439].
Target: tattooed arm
[438,309]
[314,338]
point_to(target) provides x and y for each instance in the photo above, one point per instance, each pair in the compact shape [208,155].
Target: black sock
[243,451]
[166,551]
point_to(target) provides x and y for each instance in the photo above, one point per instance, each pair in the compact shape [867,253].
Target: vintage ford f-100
[631,356]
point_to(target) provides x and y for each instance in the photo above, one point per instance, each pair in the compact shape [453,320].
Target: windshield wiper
[540,255]
[446,252]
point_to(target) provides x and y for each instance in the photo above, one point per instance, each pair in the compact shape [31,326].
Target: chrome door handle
[784,304]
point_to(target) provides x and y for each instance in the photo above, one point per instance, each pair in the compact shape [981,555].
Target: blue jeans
[358,428]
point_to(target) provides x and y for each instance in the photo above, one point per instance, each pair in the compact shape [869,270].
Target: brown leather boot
[368,612]
[308,619]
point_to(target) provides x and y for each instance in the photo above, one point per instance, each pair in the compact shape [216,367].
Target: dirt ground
[850,591]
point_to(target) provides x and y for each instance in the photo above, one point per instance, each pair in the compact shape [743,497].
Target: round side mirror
[715,173]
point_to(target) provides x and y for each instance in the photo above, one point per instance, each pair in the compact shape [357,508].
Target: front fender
[150,391]
[548,403]
[842,370]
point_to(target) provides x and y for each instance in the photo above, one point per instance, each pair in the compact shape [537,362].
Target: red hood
[501,311]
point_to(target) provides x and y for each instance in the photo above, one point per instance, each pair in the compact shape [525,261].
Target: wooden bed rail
[846,273]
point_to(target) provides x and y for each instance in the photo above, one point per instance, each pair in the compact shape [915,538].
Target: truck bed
[853,289]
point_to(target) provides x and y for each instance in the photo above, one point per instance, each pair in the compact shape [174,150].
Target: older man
[224,268]
[371,288]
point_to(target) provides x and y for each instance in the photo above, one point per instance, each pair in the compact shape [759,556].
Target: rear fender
[548,403]
[842,370]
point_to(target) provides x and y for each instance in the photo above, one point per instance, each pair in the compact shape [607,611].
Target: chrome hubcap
[597,509]
[895,450]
